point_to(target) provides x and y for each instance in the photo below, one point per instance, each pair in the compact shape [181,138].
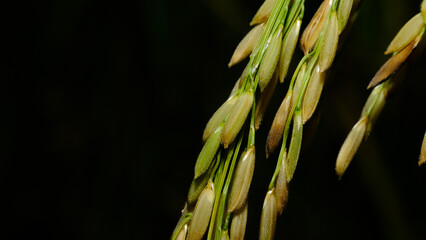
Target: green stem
[218,189]
[226,187]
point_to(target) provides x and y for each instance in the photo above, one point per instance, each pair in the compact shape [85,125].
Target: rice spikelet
[276,132]
[281,186]
[350,146]
[270,59]
[242,180]
[312,94]
[207,153]
[407,34]
[237,117]
[263,13]
[287,49]
[247,45]
[343,13]
[315,27]
[329,46]
[268,218]
[202,212]
[295,144]
[238,223]
[393,64]
[218,117]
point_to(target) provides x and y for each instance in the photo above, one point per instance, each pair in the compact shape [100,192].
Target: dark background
[104,103]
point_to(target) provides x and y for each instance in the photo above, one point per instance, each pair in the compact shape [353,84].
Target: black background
[104,103]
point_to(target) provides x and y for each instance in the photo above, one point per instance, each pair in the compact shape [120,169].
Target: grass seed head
[287,49]
[202,212]
[238,223]
[276,132]
[315,26]
[237,117]
[263,101]
[343,13]
[407,34]
[312,94]
[263,13]
[329,46]
[394,63]
[246,46]
[423,150]
[350,146]
[270,59]
[281,186]
[268,218]
[207,153]
[242,180]
[295,145]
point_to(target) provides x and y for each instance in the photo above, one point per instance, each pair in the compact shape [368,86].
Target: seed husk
[218,117]
[246,46]
[295,144]
[276,132]
[241,181]
[207,153]
[329,46]
[350,146]
[237,117]
[312,94]
[238,224]
[268,218]
[263,101]
[182,233]
[197,186]
[407,34]
[281,186]
[270,59]
[315,26]
[287,50]
[202,212]
[263,13]
[423,150]
[343,12]
[393,64]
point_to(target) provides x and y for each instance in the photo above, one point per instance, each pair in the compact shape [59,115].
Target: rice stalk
[225,207]
[402,47]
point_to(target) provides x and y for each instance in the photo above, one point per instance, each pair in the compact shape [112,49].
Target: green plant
[217,200]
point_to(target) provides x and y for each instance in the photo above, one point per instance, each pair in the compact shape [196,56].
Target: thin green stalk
[218,189]
[226,186]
